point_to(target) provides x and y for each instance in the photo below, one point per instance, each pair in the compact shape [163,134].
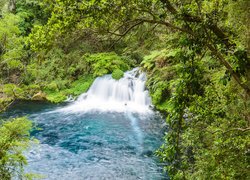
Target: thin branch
[151,21]
[146,11]
[124,24]
[168,25]
[125,33]
[233,129]
[127,30]
[141,21]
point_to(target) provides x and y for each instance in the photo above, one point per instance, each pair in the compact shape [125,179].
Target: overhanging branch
[127,30]
[196,19]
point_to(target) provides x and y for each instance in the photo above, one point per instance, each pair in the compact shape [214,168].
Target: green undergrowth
[107,63]
[85,69]
[10,92]
[161,73]
[93,65]
[59,75]
[117,74]
[75,89]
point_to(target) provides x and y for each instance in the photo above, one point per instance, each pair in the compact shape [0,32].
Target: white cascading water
[107,94]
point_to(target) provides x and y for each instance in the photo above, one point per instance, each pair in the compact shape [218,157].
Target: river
[110,132]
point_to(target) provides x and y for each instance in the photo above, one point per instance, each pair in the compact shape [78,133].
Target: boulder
[40,96]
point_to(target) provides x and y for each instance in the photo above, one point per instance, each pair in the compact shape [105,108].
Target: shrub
[14,140]
[105,63]
[117,74]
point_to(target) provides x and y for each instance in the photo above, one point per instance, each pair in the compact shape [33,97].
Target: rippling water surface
[92,145]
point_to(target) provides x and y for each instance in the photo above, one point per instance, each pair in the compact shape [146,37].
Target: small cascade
[107,94]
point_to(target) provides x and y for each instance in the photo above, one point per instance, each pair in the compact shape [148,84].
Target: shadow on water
[23,108]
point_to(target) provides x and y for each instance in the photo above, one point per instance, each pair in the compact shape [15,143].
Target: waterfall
[107,94]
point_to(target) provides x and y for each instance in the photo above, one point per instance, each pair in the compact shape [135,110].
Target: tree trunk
[12,6]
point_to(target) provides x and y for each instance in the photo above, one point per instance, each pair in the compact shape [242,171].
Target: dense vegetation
[14,140]
[195,53]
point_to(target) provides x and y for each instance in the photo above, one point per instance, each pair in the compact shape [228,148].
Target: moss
[117,74]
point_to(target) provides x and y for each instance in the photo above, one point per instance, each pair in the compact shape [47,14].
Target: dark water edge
[94,145]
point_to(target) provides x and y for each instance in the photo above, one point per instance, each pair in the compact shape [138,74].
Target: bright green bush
[117,74]
[80,86]
[105,63]
[8,89]
[55,97]
[76,88]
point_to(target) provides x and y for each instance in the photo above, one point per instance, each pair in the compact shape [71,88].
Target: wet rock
[147,153]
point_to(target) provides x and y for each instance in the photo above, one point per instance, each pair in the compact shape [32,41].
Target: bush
[117,74]
[55,97]
[80,86]
[14,140]
[105,63]
[76,88]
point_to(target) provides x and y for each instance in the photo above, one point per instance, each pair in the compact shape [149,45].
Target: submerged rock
[147,153]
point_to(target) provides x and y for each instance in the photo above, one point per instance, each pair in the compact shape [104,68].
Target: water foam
[107,94]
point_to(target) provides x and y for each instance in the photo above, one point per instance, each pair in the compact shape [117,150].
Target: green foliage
[106,63]
[14,140]
[55,97]
[76,88]
[216,132]
[161,72]
[32,12]
[52,86]
[2,4]
[60,74]
[11,44]
[206,118]
[13,91]
[80,86]
[117,74]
